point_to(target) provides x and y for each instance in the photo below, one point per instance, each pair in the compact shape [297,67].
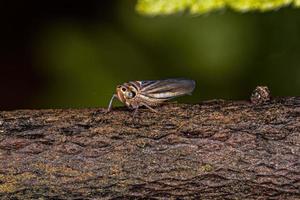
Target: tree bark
[213,150]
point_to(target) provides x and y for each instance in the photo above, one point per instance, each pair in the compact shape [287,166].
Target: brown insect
[135,94]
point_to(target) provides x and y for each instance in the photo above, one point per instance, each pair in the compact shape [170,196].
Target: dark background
[72,54]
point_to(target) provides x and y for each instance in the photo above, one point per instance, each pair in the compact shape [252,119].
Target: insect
[135,94]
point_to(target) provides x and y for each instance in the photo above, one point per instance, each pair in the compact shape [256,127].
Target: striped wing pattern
[166,89]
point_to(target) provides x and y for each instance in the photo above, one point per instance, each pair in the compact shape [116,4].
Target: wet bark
[213,150]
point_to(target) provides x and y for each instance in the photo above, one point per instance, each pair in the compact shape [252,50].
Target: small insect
[151,93]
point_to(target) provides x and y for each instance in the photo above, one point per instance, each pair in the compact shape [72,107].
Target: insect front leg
[110,103]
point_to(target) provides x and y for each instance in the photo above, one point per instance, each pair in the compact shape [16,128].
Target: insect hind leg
[149,107]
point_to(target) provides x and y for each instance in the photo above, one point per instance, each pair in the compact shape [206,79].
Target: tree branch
[213,150]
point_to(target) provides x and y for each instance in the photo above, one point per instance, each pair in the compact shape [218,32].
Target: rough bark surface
[213,150]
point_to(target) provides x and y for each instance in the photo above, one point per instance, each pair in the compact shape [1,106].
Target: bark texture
[213,150]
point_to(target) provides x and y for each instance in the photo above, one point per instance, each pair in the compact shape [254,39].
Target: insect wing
[166,89]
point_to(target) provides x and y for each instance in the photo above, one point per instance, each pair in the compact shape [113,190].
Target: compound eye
[130,94]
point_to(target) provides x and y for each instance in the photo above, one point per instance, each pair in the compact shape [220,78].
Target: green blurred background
[61,54]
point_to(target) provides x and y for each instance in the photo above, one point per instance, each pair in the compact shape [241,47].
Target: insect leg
[152,109]
[135,112]
[110,103]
